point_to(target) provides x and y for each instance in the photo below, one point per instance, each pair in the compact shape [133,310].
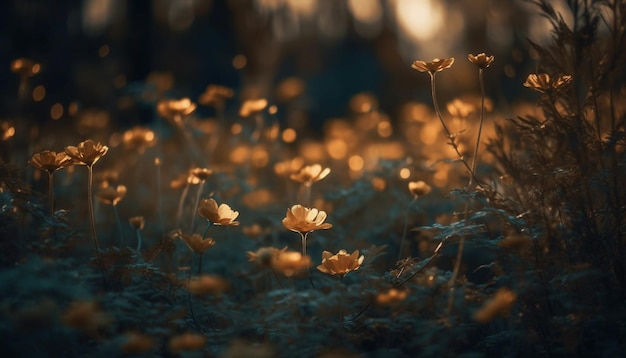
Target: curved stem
[206,229]
[447,130]
[308,271]
[480,125]
[50,193]
[406,223]
[181,203]
[195,207]
[91,214]
[138,232]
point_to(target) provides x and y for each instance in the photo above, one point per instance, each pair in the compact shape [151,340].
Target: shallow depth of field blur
[279,178]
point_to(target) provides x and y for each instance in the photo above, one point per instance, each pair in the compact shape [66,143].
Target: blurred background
[110,54]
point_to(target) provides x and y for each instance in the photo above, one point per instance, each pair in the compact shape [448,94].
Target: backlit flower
[139,138]
[542,82]
[137,222]
[303,220]
[290,263]
[481,60]
[171,108]
[341,263]
[252,106]
[50,161]
[310,174]
[436,65]
[111,195]
[218,215]
[87,152]
[419,188]
[196,243]
[202,174]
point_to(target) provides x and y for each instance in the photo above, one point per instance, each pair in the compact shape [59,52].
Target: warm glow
[356,163]
[289,135]
[384,129]
[419,19]
[39,93]
[337,148]
[239,62]
[236,129]
[405,173]
[56,111]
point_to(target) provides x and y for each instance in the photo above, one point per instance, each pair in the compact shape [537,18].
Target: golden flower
[419,188]
[201,173]
[207,285]
[50,161]
[139,138]
[215,95]
[436,65]
[264,256]
[481,60]
[218,215]
[25,67]
[137,222]
[498,306]
[341,263]
[187,342]
[310,174]
[290,263]
[303,220]
[391,297]
[171,108]
[137,343]
[252,106]
[196,243]
[111,195]
[542,82]
[87,152]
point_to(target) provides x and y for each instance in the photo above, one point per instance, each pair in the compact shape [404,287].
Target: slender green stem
[206,229]
[119,224]
[51,193]
[447,130]
[138,232]
[480,125]
[181,203]
[195,207]
[406,223]
[91,214]
[303,237]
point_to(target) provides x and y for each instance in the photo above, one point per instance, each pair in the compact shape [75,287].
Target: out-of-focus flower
[215,95]
[481,60]
[341,263]
[290,263]
[162,81]
[461,109]
[303,220]
[436,65]
[87,152]
[252,106]
[25,67]
[419,188]
[139,138]
[288,167]
[201,173]
[7,130]
[364,102]
[171,108]
[187,342]
[86,316]
[137,343]
[111,195]
[137,222]
[515,242]
[542,82]
[391,296]
[264,256]
[207,285]
[218,215]
[498,306]
[196,243]
[50,161]
[310,174]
